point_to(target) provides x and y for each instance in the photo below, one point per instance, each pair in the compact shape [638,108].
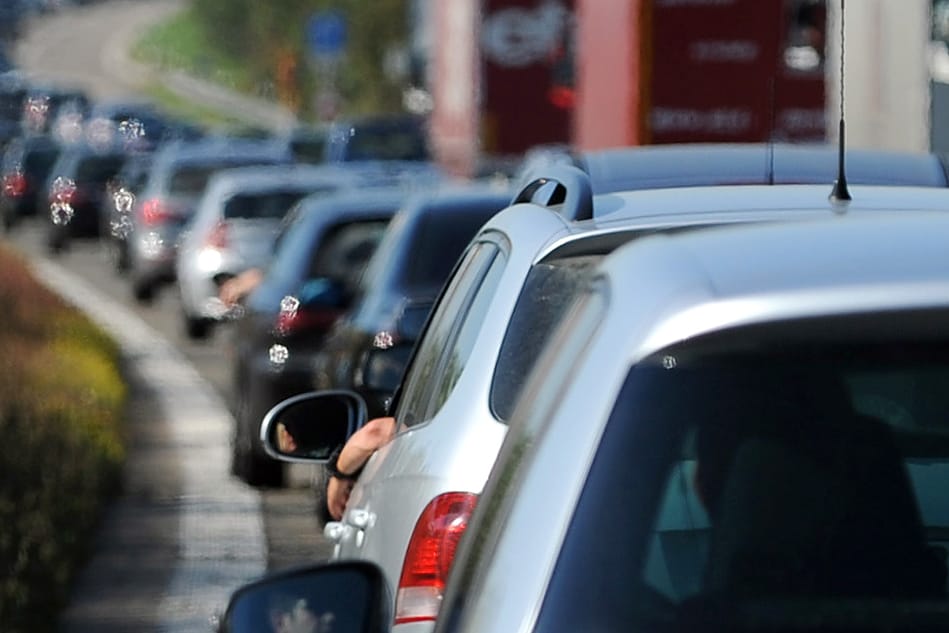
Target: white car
[234,227]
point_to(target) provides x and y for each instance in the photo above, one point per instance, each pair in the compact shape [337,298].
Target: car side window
[346,249]
[422,382]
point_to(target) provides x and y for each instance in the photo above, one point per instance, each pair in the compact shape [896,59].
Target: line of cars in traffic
[644,389]
[687,407]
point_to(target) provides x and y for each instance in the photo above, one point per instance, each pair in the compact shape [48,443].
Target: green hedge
[61,403]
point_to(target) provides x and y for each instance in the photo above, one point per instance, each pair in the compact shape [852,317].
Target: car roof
[454,197]
[357,202]
[768,198]
[698,164]
[691,283]
[210,148]
[266,177]
[547,232]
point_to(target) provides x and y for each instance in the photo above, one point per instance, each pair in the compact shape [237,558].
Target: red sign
[736,71]
[525,50]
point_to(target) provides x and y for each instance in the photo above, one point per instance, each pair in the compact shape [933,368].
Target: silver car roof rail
[560,184]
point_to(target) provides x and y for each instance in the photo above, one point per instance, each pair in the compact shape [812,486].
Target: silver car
[416,494]
[733,428]
[234,227]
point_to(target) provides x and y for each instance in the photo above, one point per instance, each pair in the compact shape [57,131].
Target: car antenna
[840,192]
[771,125]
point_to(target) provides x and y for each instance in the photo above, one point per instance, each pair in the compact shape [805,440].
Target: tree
[268,37]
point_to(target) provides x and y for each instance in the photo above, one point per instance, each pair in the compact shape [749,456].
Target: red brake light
[154,211]
[430,554]
[292,322]
[14,184]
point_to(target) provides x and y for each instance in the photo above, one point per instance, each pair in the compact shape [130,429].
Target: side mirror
[342,597]
[307,428]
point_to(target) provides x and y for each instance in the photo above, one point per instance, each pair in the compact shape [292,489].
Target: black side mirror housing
[343,597]
[309,427]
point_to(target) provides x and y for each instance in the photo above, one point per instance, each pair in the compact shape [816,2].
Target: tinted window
[272,204]
[98,169]
[190,180]
[395,143]
[11,104]
[421,375]
[345,250]
[134,176]
[439,240]
[549,289]
[762,468]
[38,162]
[309,148]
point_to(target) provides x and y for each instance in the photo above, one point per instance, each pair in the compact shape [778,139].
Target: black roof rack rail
[560,184]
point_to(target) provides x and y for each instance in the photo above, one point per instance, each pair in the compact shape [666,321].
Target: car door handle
[360,518]
[337,531]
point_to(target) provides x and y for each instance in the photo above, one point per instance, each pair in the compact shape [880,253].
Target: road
[140,548]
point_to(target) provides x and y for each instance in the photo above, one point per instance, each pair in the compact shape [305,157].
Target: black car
[323,248]
[75,186]
[367,349]
[24,169]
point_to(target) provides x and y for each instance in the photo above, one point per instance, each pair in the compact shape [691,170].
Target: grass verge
[61,403]
[180,43]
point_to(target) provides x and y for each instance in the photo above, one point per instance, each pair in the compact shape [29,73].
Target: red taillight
[302,319]
[154,211]
[430,554]
[14,184]
[217,238]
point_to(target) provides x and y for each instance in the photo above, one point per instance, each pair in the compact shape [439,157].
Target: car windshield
[190,180]
[386,143]
[784,477]
[439,240]
[262,205]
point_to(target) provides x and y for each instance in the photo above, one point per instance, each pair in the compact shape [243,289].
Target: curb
[221,543]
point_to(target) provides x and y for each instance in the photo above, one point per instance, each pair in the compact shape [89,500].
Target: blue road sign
[326,33]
